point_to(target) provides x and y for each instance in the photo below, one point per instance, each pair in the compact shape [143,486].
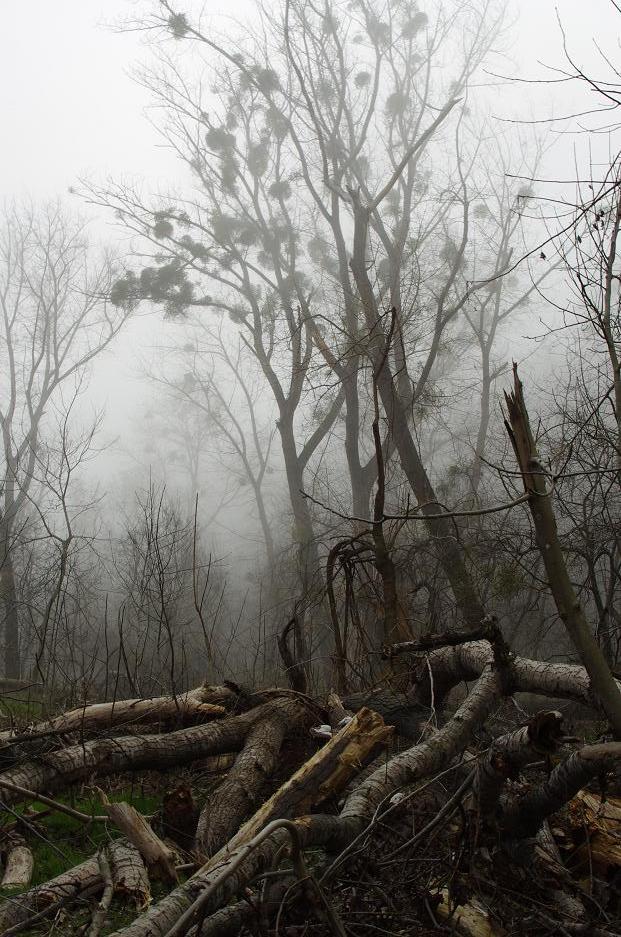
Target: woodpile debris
[316,804]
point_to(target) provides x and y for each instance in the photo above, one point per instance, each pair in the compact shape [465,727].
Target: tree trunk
[442,529]
[8,596]
[565,598]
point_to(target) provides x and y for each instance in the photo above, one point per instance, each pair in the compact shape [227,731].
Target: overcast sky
[69,106]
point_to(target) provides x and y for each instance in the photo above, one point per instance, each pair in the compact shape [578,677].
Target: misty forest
[320,635]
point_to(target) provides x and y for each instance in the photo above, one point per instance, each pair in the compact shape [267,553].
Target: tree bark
[103,757]
[100,717]
[230,803]
[8,595]
[565,598]
[18,865]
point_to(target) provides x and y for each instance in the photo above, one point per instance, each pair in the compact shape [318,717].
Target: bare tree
[55,319]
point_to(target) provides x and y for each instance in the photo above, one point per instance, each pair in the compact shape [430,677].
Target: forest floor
[428,863]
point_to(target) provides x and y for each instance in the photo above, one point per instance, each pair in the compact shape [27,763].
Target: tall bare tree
[55,319]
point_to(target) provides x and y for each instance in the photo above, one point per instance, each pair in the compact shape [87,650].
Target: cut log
[102,757]
[19,863]
[233,800]
[129,874]
[160,859]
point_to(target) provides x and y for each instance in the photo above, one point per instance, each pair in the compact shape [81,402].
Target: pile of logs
[303,786]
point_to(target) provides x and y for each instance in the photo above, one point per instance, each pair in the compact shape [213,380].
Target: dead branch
[159,858]
[101,911]
[567,602]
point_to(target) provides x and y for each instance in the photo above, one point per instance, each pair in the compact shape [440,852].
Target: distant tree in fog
[338,176]
[55,318]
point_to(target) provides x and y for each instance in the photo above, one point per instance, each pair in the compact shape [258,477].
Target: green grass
[65,842]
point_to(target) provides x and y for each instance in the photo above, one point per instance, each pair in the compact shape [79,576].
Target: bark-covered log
[194,706]
[320,830]
[103,757]
[510,752]
[233,800]
[65,886]
[18,865]
[524,817]
[129,874]
[159,857]
[452,665]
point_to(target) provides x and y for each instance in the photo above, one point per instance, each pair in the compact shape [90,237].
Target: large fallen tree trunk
[103,757]
[198,705]
[453,664]
[228,872]
[232,800]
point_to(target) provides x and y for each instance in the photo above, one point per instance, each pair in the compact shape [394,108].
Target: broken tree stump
[159,858]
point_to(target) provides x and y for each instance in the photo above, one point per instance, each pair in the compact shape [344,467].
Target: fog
[192,408]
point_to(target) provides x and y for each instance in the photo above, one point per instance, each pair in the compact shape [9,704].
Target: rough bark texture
[192,706]
[567,602]
[240,791]
[129,874]
[509,753]
[525,817]
[318,830]
[18,865]
[130,753]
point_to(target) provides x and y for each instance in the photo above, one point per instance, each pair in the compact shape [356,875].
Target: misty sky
[69,106]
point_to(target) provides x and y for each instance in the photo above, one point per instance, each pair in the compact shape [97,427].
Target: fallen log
[247,858]
[449,666]
[102,757]
[524,817]
[196,705]
[507,754]
[159,858]
[61,889]
[18,865]
[129,874]
[234,798]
